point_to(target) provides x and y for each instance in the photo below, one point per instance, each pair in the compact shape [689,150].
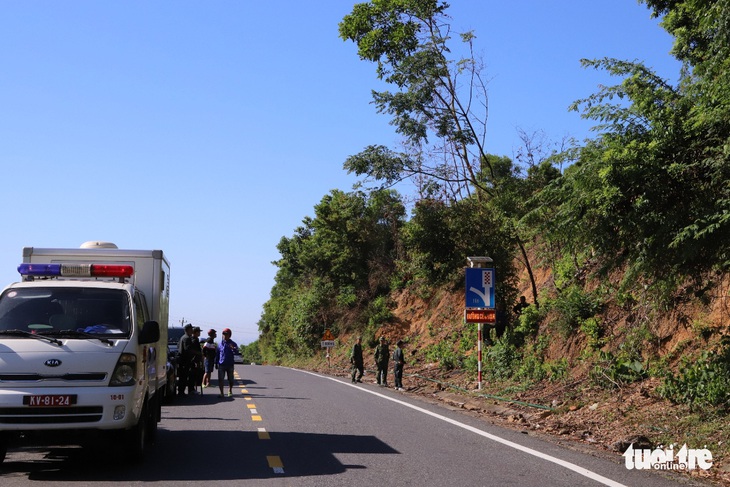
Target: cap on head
[211,332]
[226,331]
[189,326]
[196,329]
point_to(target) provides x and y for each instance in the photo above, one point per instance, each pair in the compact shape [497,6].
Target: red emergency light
[75,270]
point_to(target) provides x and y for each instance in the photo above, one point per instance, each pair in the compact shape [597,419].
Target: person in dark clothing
[358,364]
[210,349]
[382,356]
[185,359]
[398,363]
[196,364]
[522,304]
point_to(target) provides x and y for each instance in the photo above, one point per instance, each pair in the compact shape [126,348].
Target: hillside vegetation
[620,242]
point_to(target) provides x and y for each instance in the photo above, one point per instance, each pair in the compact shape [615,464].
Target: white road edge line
[570,466]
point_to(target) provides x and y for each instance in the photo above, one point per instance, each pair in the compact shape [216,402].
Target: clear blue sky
[211,129]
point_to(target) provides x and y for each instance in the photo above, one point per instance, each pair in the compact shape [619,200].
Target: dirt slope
[572,410]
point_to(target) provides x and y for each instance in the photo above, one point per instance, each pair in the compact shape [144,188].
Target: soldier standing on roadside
[398,363]
[382,355]
[358,365]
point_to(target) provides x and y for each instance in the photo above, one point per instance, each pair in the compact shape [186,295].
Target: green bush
[614,371]
[700,382]
[501,359]
[251,353]
[379,312]
[468,340]
[573,306]
[471,364]
[528,323]
[593,330]
[443,353]
[531,368]
[347,296]
[557,370]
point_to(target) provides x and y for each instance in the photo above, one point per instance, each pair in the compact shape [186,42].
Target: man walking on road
[358,365]
[382,355]
[225,361]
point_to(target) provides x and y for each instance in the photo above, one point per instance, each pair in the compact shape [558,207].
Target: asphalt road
[294,428]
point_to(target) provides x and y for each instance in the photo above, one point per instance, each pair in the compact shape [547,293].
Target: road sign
[328,336]
[480,315]
[328,344]
[479,288]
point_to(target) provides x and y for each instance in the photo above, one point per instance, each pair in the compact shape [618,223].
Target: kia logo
[53,362]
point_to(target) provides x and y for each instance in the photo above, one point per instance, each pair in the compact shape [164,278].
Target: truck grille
[65,415]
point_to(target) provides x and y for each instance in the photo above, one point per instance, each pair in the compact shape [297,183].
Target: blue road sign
[479,287]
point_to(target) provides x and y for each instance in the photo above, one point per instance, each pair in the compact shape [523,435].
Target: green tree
[437,97]
[439,104]
[650,193]
[251,353]
[702,43]
[341,258]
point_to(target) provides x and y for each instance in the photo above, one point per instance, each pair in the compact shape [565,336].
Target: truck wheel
[136,438]
[155,414]
[4,440]
[169,392]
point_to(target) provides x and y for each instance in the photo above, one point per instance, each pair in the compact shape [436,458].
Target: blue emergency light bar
[75,270]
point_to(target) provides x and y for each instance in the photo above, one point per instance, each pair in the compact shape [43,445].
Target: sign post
[479,301]
[328,342]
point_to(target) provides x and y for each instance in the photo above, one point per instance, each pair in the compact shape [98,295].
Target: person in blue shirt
[225,362]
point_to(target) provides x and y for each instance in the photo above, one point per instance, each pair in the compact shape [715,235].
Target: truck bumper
[46,409]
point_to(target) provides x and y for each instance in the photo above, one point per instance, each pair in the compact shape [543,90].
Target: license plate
[50,400]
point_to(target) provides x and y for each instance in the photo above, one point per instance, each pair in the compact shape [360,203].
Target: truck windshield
[49,310]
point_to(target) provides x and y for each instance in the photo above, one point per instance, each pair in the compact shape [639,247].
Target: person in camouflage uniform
[358,365]
[398,363]
[382,356]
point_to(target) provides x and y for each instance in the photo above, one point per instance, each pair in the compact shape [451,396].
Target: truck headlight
[125,373]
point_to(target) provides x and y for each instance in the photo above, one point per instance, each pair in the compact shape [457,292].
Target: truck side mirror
[150,332]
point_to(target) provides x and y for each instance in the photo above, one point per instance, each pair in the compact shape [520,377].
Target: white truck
[83,347]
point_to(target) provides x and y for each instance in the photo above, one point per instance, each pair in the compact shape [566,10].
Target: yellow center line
[275,463]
